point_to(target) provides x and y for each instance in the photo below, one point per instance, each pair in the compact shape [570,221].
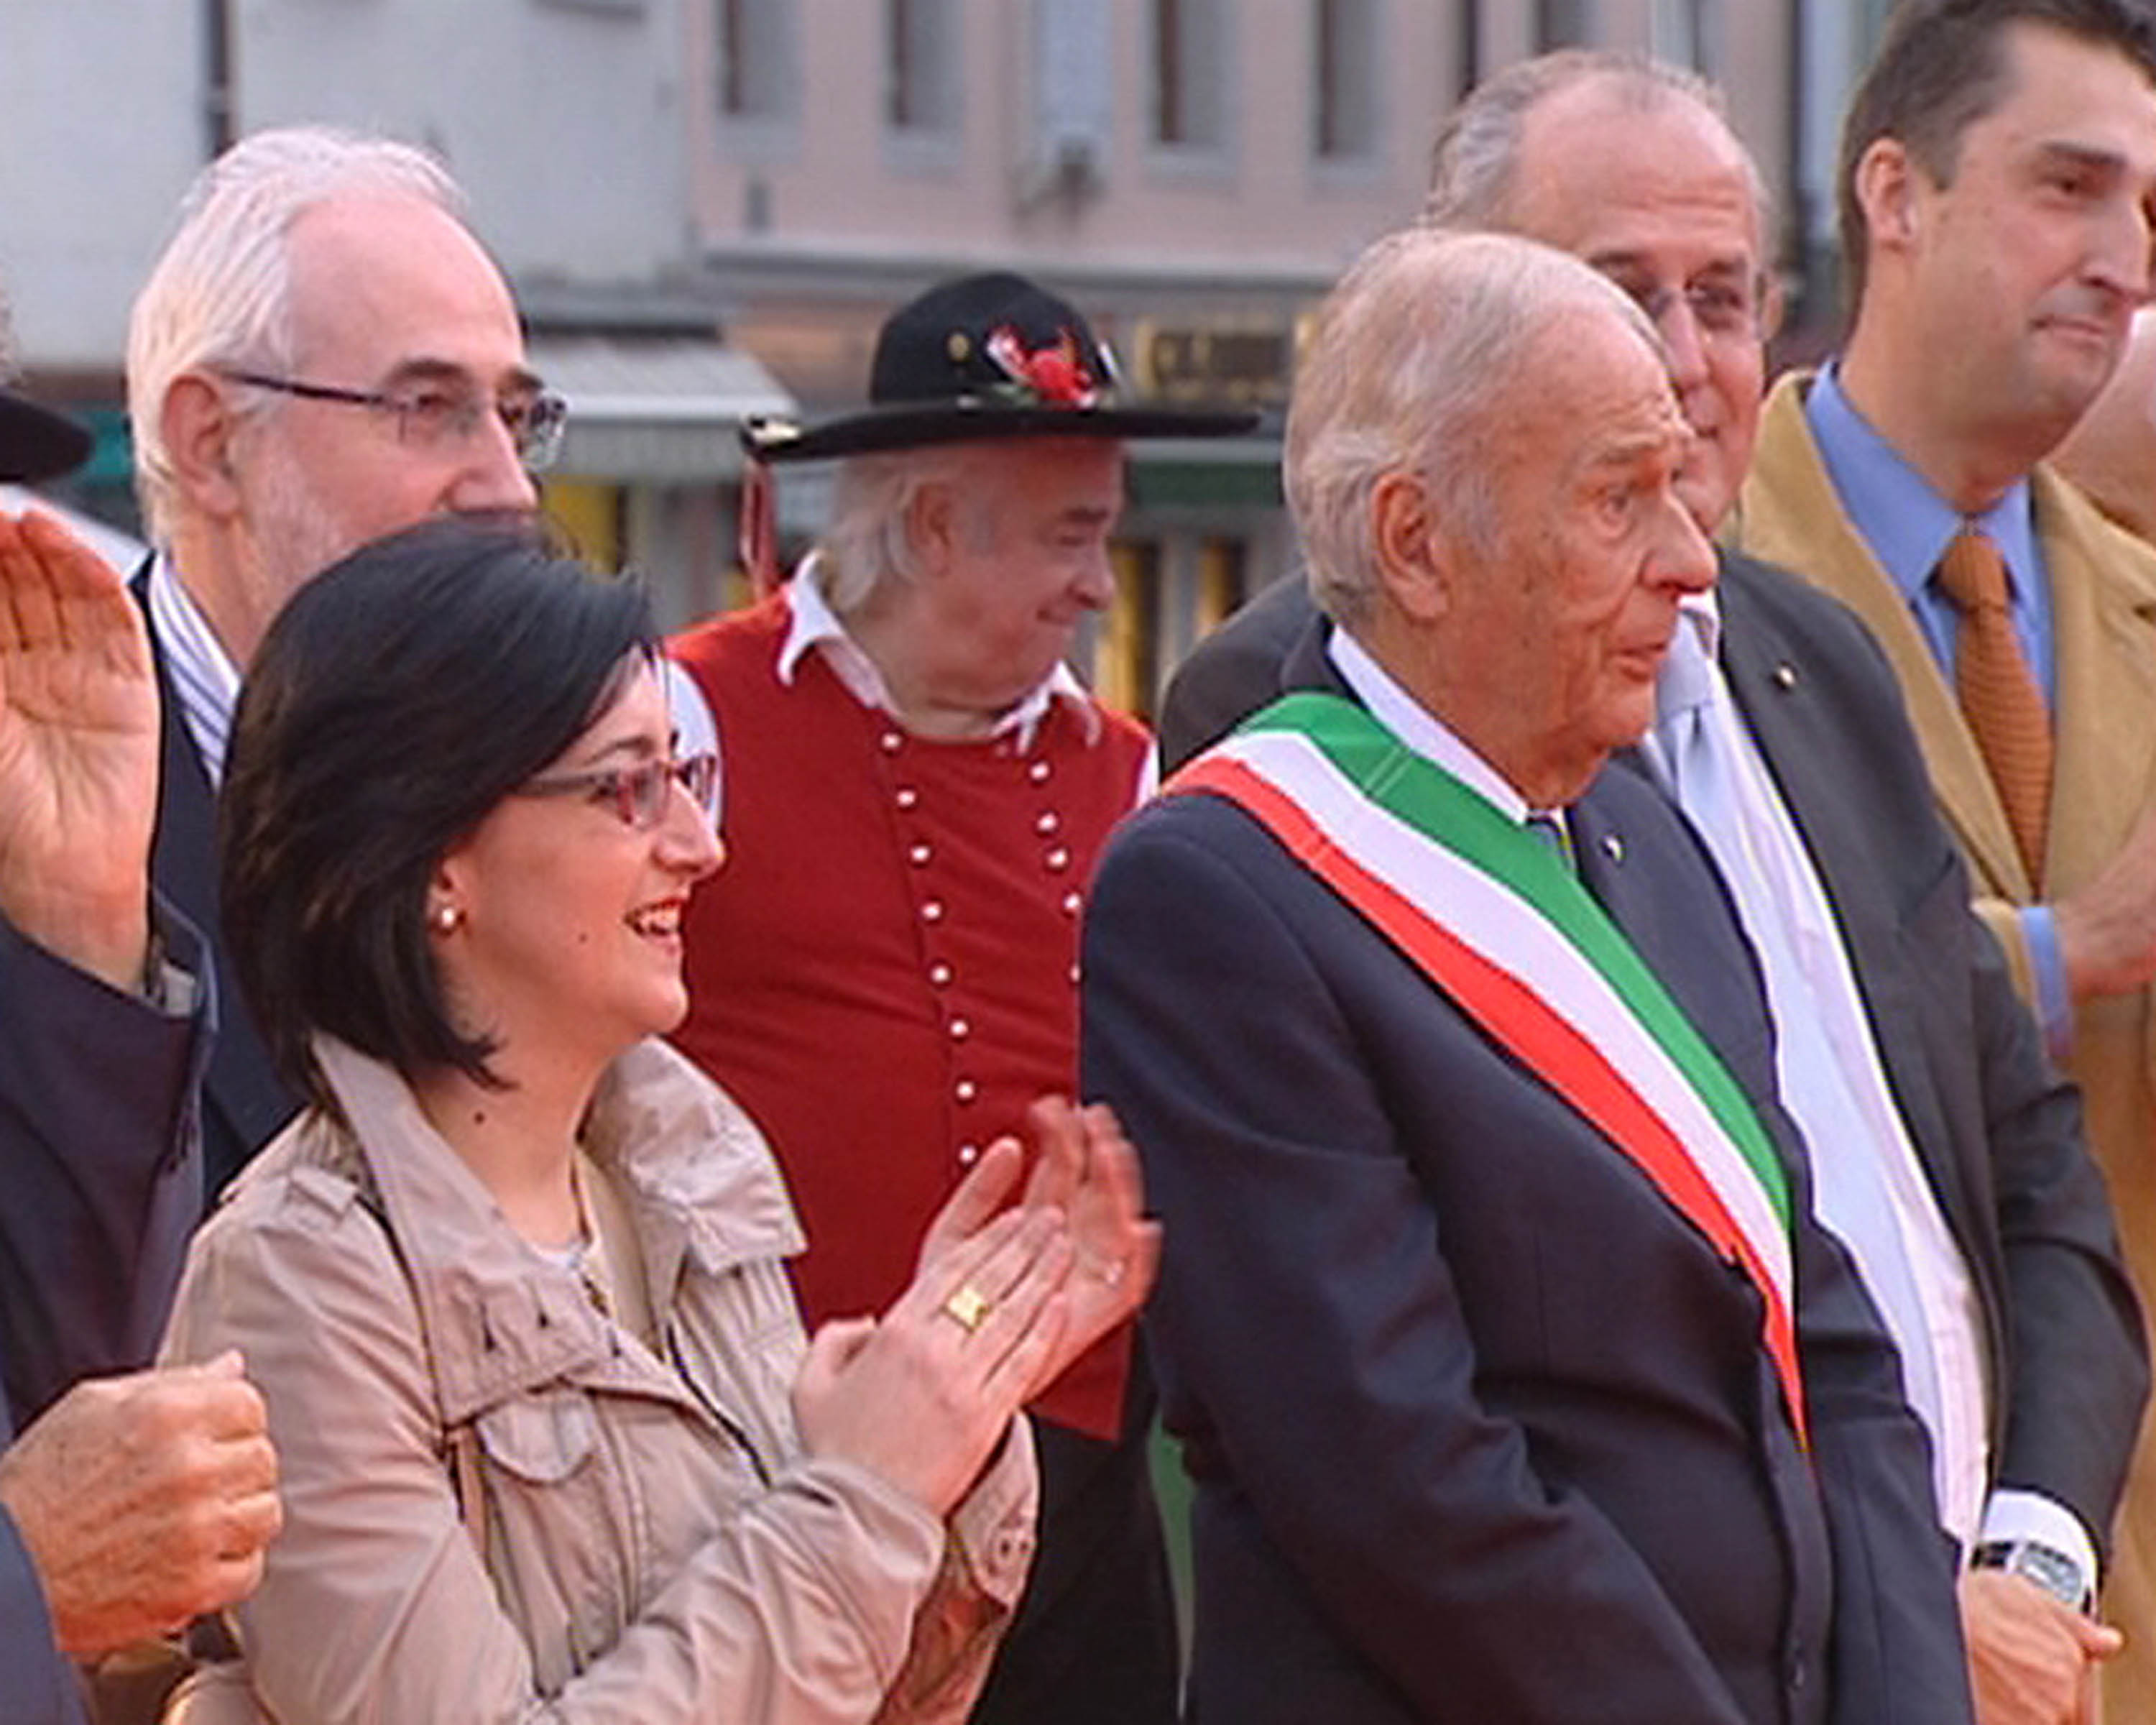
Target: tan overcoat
[658,1547]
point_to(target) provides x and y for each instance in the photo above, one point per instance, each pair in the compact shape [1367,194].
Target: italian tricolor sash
[1495,919]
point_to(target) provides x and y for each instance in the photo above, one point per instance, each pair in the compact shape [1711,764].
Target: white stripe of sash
[1509,932]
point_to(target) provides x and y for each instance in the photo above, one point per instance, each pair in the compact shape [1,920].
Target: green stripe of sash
[1420,793]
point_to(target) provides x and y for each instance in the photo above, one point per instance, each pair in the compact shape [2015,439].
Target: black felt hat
[985,356]
[36,442]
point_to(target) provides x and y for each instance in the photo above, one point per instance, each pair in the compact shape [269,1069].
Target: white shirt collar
[815,624]
[1400,713]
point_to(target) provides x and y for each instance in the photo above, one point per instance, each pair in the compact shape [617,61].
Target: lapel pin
[1785,676]
[1613,847]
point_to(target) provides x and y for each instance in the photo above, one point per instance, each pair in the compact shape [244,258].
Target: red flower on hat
[1055,375]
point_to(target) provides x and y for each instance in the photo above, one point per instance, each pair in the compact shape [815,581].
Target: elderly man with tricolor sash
[1517,1380]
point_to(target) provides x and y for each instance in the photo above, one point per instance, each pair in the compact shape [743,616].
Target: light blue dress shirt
[1908,526]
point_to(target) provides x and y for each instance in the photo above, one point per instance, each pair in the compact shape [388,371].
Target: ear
[1886,182]
[449,887]
[199,425]
[1412,551]
[933,522]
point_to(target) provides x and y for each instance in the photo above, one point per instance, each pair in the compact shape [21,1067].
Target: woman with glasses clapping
[553,1443]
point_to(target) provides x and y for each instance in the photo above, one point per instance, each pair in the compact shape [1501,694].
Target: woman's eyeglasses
[637,794]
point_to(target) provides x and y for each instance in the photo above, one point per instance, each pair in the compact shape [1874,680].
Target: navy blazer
[101,1183]
[1482,1428]
[1997,1129]
[244,1102]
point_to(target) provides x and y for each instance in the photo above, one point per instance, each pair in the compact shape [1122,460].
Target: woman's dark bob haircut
[398,697]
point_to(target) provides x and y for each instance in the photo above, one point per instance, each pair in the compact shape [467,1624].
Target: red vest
[885,973]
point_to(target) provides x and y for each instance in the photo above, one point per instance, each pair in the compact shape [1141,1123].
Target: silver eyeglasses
[1725,307]
[637,795]
[437,415]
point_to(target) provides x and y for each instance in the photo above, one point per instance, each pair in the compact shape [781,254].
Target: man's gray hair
[1414,358]
[869,539]
[1473,162]
[220,295]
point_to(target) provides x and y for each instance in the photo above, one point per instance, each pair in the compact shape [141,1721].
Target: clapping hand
[923,1396]
[77,752]
[1085,1168]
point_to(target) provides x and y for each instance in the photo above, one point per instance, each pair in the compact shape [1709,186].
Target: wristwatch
[2050,1568]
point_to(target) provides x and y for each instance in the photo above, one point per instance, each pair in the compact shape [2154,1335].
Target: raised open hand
[77,752]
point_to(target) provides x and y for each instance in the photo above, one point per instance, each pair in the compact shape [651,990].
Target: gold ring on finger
[969,1307]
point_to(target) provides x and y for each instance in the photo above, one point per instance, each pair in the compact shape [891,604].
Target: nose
[492,475]
[1096,587]
[1684,343]
[689,841]
[1685,560]
[2119,256]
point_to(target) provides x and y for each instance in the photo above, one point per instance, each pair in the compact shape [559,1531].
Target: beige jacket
[658,1549]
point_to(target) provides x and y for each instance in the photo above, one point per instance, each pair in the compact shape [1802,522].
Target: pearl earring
[445,918]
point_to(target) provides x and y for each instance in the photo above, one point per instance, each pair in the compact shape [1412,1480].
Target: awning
[658,409]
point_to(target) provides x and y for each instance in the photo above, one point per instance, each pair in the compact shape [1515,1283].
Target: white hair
[220,293]
[869,539]
[1415,355]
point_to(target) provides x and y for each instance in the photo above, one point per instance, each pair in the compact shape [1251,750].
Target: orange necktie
[1999,696]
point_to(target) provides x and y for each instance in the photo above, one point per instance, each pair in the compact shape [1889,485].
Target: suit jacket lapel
[241,1092]
[184,863]
[2103,620]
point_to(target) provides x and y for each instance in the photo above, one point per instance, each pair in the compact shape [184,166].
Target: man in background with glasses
[323,353]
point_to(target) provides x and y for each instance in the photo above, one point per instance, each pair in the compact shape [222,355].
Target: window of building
[755,59]
[922,39]
[1686,32]
[1470,50]
[1345,63]
[1564,23]
[1074,100]
[1190,109]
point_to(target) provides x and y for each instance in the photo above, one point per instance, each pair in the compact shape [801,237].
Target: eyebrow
[2065,152]
[427,369]
[1610,263]
[1633,450]
[636,747]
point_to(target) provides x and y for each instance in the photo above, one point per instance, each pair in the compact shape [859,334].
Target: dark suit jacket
[1482,1428]
[245,1103]
[100,1183]
[1998,1131]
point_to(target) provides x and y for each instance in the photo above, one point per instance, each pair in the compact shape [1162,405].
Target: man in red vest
[916,785]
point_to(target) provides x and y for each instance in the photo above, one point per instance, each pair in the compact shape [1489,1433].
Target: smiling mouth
[660,921]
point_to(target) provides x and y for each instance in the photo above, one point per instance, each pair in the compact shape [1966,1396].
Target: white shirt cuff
[2014,1514]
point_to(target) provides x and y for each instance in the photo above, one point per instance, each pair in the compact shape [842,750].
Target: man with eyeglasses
[323,353]
[1947,1152]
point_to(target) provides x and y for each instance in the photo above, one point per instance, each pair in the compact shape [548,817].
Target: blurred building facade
[707,207]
